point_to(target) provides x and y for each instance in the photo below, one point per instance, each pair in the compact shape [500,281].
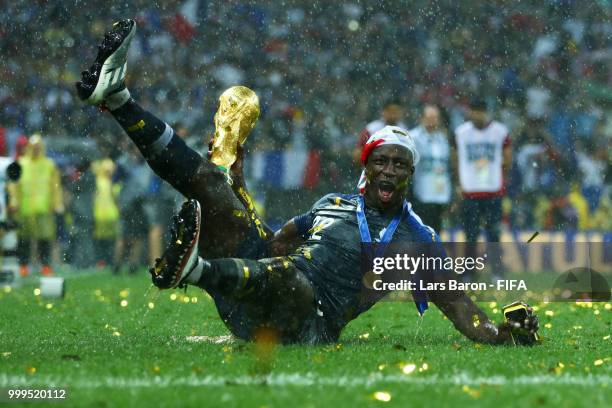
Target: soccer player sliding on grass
[311,294]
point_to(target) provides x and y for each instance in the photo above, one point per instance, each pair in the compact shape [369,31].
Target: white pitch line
[301,380]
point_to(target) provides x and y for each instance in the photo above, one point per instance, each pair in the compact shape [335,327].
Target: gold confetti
[549,313]
[185,299]
[607,337]
[364,336]
[470,391]
[425,366]
[492,305]
[381,367]
[548,325]
[124,303]
[156,370]
[382,396]
[408,368]
[194,299]
[598,362]
[49,306]
[151,305]
[31,370]
[7,289]
[6,354]
[124,293]
[596,312]
[173,296]
[37,292]
[318,359]
[116,334]
[475,320]
[608,306]
[98,292]
[558,369]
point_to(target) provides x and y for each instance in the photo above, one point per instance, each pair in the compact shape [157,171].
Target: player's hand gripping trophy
[237,114]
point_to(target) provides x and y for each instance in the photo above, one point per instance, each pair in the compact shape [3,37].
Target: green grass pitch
[116,341]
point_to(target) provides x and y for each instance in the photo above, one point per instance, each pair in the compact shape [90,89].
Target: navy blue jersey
[331,255]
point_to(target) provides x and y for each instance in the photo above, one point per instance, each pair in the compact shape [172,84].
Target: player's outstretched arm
[474,324]
[103,85]
[471,321]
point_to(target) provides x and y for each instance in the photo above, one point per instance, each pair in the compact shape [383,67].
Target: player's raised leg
[167,154]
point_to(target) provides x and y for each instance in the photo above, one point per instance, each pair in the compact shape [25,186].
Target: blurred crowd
[322,70]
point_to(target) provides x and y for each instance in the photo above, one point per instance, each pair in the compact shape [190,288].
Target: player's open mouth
[386,190]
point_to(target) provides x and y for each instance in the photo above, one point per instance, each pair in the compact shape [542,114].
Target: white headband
[389,135]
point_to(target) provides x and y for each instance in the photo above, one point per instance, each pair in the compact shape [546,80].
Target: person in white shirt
[484,159]
[432,181]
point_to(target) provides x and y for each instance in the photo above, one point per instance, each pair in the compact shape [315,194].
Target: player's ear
[411,170]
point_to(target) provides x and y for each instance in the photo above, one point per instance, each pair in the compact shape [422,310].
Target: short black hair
[478,104]
[391,102]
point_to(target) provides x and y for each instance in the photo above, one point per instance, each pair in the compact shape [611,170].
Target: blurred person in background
[106,211]
[392,114]
[135,177]
[536,159]
[484,157]
[432,181]
[80,207]
[36,199]
[158,212]
[592,162]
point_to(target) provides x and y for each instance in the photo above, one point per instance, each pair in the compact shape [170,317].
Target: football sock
[117,100]
[150,134]
[231,276]
[196,273]
[167,154]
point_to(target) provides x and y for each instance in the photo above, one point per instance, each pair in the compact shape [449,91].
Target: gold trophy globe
[236,117]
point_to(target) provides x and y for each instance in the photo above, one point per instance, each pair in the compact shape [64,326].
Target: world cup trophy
[236,117]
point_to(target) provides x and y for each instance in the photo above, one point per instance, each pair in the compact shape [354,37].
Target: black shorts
[241,317]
